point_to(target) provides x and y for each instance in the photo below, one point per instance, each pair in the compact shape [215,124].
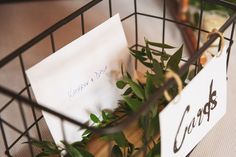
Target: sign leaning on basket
[80,78]
[192,114]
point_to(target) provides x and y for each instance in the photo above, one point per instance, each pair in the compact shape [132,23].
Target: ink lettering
[186,127]
[76,91]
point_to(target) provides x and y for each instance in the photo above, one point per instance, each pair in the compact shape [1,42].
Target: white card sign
[201,104]
[79,79]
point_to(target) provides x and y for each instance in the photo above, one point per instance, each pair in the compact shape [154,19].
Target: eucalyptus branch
[135,94]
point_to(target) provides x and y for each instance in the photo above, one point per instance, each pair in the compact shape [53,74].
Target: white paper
[79,79]
[192,103]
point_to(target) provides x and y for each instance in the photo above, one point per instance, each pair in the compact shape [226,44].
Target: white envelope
[80,78]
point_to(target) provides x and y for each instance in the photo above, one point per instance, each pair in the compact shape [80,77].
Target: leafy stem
[135,93]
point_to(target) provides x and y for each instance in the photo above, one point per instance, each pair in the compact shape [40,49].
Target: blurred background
[22,20]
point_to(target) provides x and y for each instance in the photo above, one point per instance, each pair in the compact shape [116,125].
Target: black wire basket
[34,126]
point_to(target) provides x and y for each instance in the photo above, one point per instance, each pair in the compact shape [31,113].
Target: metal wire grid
[27,100]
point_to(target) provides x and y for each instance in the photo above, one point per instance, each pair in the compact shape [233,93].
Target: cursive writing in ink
[72,92]
[196,121]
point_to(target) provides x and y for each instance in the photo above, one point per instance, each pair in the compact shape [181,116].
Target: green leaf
[156,79]
[121,84]
[139,92]
[155,123]
[128,91]
[86,133]
[157,53]
[43,144]
[84,153]
[157,68]
[155,151]
[48,147]
[154,109]
[144,124]
[79,144]
[107,115]
[133,103]
[105,137]
[75,151]
[116,152]
[173,62]
[149,88]
[141,53]
[139,56]
[120,139]
[123,107]
[149,65]
[165,56]
[43,154]
[94,118]
[104,116]
[142,59]
[165,46]
[148,51]
[150,126]
[48,153]
[72,151]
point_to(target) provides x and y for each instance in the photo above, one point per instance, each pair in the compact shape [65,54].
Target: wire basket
[32,125]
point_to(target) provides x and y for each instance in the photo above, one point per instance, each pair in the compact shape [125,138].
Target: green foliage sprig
[136,93]
[219,9]
[211,6]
